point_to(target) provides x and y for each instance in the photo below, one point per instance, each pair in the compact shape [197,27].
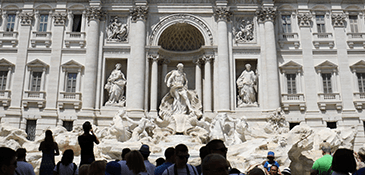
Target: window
[327,87]
[361,81]
[68,125]
[76,27]
[332,125]
[320,24]
[3,78]
[43,19]
[291,83]
[353,24]
[286,23]
[36,81]
[10,23]
[31,129]
[71,82]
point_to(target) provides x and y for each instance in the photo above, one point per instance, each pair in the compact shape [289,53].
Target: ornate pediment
[291,65]
[37,63]
[5,63]
[72,64]
[326,65]
[360,65]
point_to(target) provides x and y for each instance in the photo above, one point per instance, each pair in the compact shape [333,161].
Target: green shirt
[323,164]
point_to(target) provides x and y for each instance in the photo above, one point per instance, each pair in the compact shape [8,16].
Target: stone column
[16,21]
[70,17]
[83,22]
[223,91]
[267,15]
[164,72]
[154,83]
[137,62]
[198,78]
[4,17]
[207,101]
[49,22]
[36,21]
[8,79]
[92,39]
[43,78]
[78,80]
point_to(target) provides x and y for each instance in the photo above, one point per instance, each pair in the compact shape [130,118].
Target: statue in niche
[245,33]
[180,104]
[247,87]
[117,31]
[115,87]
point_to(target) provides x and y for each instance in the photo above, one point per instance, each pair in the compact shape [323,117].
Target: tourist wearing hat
[113,168]
[270,162]
[145,151]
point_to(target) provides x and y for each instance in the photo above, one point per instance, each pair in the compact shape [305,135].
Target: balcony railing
[5,97]
[38,97]
[288,36]
[292,97]
[293,100]
[8,34]
[322,35]
[34,94]
[355,35]
[70,98]
[46,35]
[77,38]
[8,38]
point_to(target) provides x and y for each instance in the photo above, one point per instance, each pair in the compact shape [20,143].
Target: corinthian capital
[338,19]
[94,13]
[222,14]
[139,13]
[26,18]
[59,18]
[304,19]
[266,14]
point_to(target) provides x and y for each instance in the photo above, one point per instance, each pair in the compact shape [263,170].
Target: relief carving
[245,32]
[117,31]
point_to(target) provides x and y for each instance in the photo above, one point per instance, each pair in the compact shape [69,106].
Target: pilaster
[198,77]
[223,92]
[154,82]
[93,15]
[207,101]
[137,62]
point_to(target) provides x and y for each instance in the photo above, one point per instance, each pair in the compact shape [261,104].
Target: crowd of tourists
[135,162]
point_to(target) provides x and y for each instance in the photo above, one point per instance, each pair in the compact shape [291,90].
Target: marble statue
[180,103]
[117,30]
[115,87]
[247,87]
[245,33]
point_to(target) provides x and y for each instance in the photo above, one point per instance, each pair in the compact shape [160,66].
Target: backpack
[58,168]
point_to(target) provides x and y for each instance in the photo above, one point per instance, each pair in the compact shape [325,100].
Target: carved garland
[266,14]
[188,18]
[26,18]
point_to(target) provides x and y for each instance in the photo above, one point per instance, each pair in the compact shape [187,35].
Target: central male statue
[180,101]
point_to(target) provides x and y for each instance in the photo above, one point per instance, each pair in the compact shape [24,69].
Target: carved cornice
[266,14]
[26,18]
[94,13]
[59,18]
[304,19]
[338,19]
[222,14]
[139,13]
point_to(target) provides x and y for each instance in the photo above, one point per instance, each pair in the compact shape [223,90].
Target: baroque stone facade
[57,57]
